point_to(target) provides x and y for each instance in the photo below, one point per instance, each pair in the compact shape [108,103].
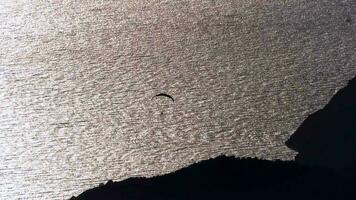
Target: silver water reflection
[77,80]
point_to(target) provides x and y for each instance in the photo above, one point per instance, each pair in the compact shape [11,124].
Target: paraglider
[163,95]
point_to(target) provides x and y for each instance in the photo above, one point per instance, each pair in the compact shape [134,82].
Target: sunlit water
[77,81]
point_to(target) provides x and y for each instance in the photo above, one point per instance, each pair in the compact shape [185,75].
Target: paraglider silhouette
[163,95]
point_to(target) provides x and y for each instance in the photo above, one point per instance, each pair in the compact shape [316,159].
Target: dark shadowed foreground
[232,178]
[328,137]
[326,140]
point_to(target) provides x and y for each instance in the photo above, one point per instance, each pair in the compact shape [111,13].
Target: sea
[100,90]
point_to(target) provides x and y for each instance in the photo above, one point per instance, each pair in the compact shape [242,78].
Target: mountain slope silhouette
[231,178]
[327,138]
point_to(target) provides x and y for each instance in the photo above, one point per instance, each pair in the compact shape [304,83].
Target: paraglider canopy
[163,95]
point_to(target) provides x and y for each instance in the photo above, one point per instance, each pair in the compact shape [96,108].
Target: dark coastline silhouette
[327,138]
[324,168]
[232,178]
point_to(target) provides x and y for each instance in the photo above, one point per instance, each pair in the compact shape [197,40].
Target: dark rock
[327,138]
[232,178]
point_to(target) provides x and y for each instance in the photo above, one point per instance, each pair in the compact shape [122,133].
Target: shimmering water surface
[77,80]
